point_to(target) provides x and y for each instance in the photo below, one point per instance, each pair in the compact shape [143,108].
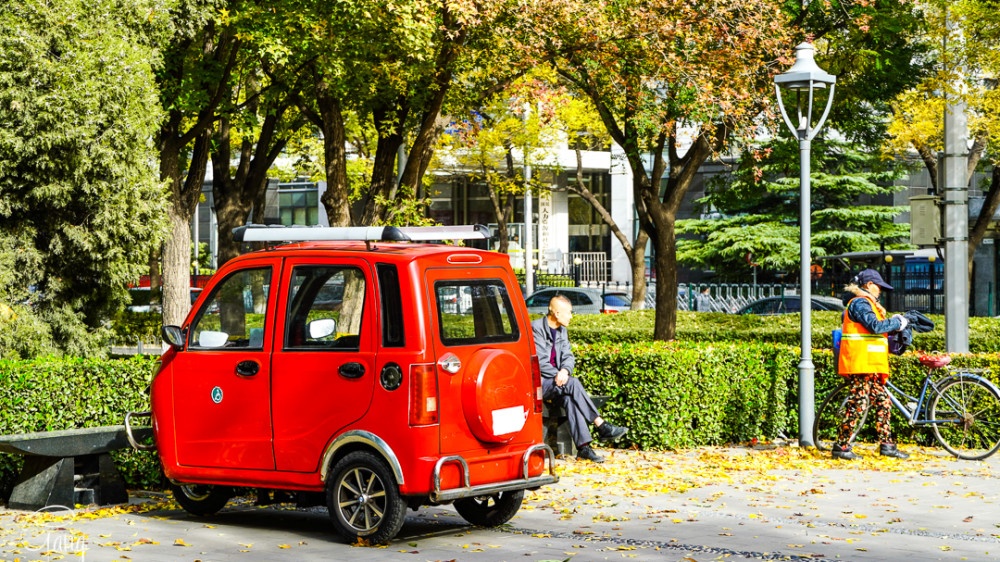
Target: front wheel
[831,415]
[363,498]
[490,511]
[967,415]
[201,499]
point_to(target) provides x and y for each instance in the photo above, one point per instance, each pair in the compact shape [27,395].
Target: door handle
[247,368]
[352,370]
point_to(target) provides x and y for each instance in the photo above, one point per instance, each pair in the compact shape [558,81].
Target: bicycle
[962,407]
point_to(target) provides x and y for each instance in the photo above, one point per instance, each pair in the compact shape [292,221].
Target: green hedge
[671,394]
[637,326]
[683,394]
[63,393]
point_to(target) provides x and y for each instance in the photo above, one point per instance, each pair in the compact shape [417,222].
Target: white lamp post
[804,78]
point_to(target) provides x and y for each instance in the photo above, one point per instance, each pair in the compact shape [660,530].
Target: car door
[222,379]
[324,367]
[481,352]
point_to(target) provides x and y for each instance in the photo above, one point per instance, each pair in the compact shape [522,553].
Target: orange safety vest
[860,350]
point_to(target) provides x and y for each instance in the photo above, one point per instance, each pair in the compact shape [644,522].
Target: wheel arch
[359,440]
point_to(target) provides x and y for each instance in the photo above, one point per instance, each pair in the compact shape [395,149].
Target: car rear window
[473,312]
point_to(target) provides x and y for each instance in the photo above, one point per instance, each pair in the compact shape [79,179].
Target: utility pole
[955,198]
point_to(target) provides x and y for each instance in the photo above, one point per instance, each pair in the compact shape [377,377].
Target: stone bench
[69,467]
[555,426]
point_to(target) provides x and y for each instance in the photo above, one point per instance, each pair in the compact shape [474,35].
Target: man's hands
[562,377]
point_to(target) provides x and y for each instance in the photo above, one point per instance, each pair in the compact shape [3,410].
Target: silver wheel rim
[361,500]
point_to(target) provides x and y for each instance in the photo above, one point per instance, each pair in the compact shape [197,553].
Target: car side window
[578,299]
[540,299]
[234,315]
[473,312]
[325,308]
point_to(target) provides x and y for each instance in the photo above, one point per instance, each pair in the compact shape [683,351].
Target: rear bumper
[467,491]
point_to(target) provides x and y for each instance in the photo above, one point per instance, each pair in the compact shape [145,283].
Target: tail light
[423,395]
[536,380]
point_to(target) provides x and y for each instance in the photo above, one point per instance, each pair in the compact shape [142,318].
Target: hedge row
[49,394]
[671,394]
[684,394]
[637,326]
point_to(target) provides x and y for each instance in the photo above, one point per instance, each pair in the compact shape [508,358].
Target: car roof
[383,251]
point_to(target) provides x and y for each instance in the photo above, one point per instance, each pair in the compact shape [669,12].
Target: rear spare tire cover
[496,395]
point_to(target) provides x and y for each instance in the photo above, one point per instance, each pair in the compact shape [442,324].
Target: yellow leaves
[180,542]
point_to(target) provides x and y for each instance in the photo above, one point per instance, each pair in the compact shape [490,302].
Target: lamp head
[805,73]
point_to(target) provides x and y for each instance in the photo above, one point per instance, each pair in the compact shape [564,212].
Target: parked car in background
[789,304]
[584,300]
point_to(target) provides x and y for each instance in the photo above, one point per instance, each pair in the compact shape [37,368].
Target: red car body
[448,401]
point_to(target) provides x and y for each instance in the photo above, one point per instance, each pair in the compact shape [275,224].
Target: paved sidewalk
[703,504]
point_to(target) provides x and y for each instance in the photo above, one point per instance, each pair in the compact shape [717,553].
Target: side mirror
[173,336]
[322,328]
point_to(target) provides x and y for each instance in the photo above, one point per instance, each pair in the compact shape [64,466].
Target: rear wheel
[970,412]
[830,416]
[201,499]
[490,511]
[363,498]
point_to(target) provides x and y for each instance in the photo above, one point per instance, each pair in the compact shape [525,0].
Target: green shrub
[131,327]
[52,393]
[680,394]
[637,326]
[684,394]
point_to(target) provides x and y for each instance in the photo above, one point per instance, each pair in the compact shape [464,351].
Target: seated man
[556,361]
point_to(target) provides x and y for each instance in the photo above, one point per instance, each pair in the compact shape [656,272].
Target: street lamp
[804,78]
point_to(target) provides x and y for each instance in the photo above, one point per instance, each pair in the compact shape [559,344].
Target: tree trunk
[665,244]
[990,206]
[637,261]
[183,201]
[388,123]
[176,267]
[330,120]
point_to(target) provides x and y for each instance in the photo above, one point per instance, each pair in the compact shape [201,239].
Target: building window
[298,204]
[587,231]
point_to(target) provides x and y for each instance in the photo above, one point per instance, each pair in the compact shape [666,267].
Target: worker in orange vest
[864,359]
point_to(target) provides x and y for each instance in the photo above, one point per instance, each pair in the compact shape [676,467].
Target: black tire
[830,416]
[201,499]
[973,405]
[363,498]
[490,511]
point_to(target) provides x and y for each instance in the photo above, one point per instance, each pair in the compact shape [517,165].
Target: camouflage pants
[866,389]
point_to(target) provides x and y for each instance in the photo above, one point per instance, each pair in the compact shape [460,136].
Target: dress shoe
[610,432]
[587,453]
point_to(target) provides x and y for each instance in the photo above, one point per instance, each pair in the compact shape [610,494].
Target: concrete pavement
[734,503]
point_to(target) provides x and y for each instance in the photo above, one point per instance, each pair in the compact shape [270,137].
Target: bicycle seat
[935,361]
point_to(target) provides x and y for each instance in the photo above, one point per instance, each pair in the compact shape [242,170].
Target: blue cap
[871,276]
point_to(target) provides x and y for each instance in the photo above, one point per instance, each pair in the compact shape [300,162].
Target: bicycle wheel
[967,410]
[830,415]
